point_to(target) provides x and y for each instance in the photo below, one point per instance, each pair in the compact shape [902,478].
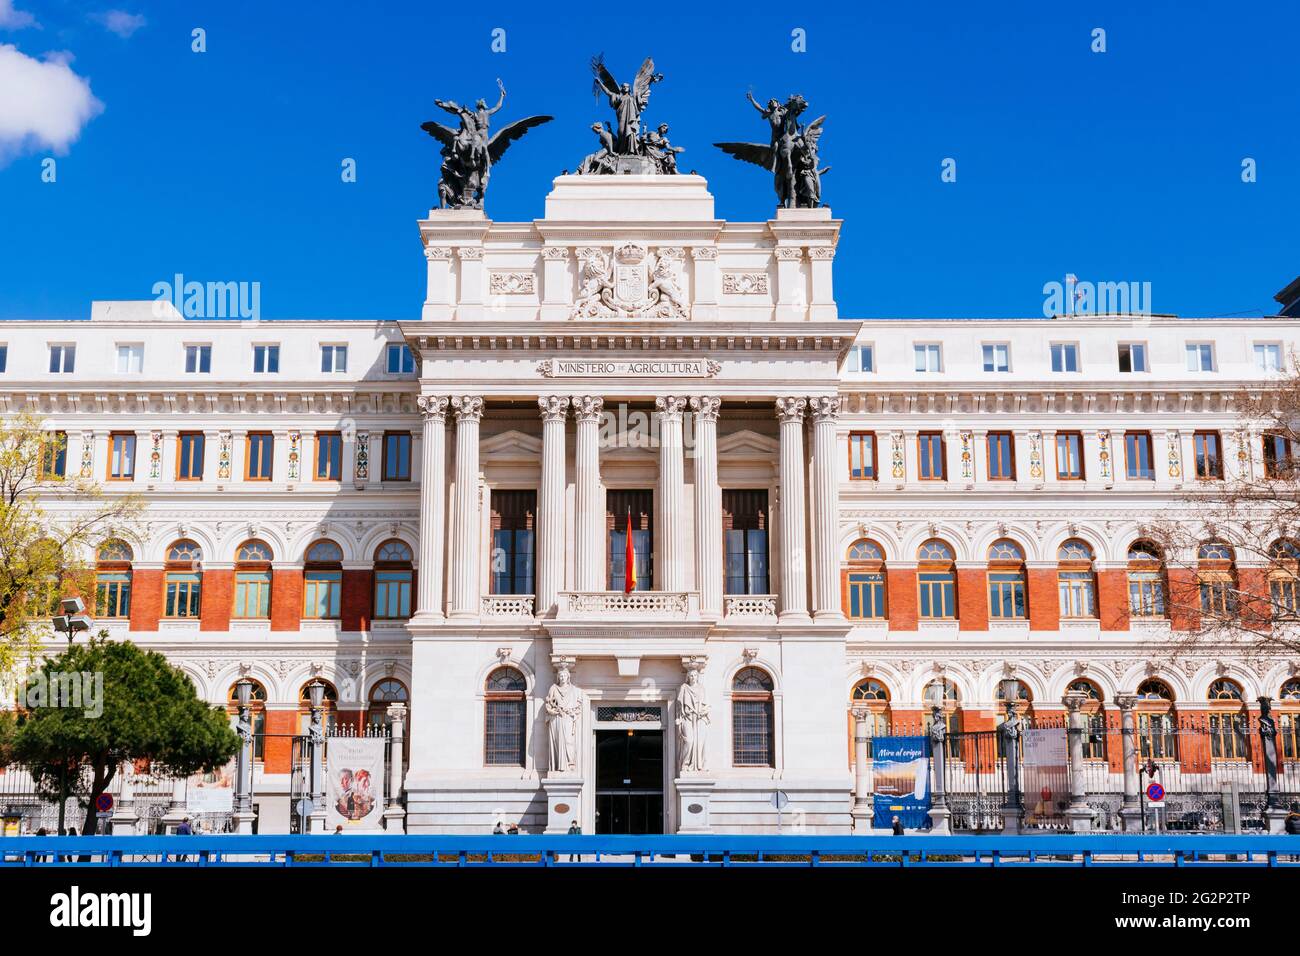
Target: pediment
[747,444]
[511,446]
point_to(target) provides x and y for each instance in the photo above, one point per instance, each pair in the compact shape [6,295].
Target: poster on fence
[1047,775]
[902,781]
[212,792]
[354,774]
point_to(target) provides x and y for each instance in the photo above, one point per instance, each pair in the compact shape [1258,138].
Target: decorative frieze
[361,462]
[224,443]
[512,283]
[744,283]
[294,470]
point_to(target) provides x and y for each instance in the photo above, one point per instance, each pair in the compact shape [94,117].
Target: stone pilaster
[826,507]
[794,556]
[550,503]
[433,504]
[465,570]
[672,492]
[708,505]
[589,503]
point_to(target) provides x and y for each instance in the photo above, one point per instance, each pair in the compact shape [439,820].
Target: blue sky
[225,165]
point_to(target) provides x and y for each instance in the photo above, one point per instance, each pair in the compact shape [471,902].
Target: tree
[1232,549]
[42,558]
[148,711]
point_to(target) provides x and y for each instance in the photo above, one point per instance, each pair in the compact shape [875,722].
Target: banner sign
[1047,773]
[902,781]
[354,782]
[212,792]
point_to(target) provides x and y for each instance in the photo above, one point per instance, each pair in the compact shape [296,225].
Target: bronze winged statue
[791,155]
[625,147]
[468,154]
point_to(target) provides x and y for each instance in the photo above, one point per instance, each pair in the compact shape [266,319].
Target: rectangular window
[130,359]
[252,594]
[400,359]
[862,455]
[1268,356]
[322,595]
[63,358]
[1137,456]
[866,594]
[333,358]
[862,358]
[997,357]
[198,358]
[397,456]
[1228,737]
[1157,737]
[1132,357]
[503,738]
[1200,357]
[182,596]
[259,454]
[930,458]
[752,731]
[938,595]
[1007,595]
[266,358]
[1078,594]
[54,455]
[1146,594]
[514,542]
[113,594]
[4,357]
[329,456]
[1218,596]
[121,465]
[1065,357]
[1002,456]
[744,534]
[1209,458]
[1069,456]
[1278,456]
[640,505]
[929,358]
[393,595]
[189,456]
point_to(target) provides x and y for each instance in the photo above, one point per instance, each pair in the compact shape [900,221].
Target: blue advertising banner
[901,781]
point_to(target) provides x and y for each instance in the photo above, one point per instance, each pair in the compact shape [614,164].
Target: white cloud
[118,21]
[11,19]
[43,103]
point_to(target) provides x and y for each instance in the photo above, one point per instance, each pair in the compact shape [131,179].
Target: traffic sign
[1155,792]
[780,800]
[104,803]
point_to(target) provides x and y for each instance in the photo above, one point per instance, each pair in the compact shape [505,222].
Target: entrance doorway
[629,781]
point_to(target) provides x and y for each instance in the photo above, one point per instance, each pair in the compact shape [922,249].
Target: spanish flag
[629,560]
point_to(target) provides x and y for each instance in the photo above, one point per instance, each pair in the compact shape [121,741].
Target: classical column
[708,505]
[939,812]
[1079,813]
[794,556]
[826,507]
[394,814]
[433,504]
[1131,812]
[863,803]
[550,503]
[672,492]
[589,555]
[465,569]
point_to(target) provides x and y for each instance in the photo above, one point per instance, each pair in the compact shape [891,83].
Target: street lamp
[316,744]
[244,764]
[73,619]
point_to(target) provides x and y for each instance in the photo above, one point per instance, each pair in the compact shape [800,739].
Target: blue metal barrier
[716,850]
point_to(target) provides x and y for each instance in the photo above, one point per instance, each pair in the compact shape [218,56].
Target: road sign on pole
[1156,794]
[104,803]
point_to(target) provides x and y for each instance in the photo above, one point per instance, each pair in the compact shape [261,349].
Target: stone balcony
[509,607]
[632,606]
[743,608]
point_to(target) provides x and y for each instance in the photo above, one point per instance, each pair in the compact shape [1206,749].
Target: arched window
[1022,702]
[1007,581]
[864,581]
[753,732]
[1157,722]
[936,578]
[1093,709]
[1288,723]
[504,719]
[113,579]
[1227,721]
[1075,579]
[257,708]
[385,692]
[945,694]
[253,580]
[322,576]
[1146,580]
[1284,578]
[874,696]
[184,579]
[329,705]
[1216,576]
[393,575]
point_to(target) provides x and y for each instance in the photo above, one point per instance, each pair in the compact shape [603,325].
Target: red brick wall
[1114,741]
[1112,599]
[972,599]
[218,600]
[277,753]
[1044,600]
[901,587]
[1194,745]
[354,606]
[352,719]
[1255,600]
[286,600]
[146,599]
[1184,599]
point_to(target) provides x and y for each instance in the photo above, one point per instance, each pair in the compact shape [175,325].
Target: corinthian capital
[469,408]
[824,408]
[588,408]
[670,406]
[706,407]
[433,407]
[554,407]
[791,409]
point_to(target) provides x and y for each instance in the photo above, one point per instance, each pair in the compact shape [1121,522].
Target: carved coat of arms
[634,284]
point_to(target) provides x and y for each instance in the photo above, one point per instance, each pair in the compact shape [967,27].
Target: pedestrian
[513,830]
[498,828]
[897,825]
[338,829]
[1293,820]
[574,830]
[184,829]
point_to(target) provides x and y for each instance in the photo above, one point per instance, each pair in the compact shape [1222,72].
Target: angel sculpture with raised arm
[791,156]
[625,149]
[468,154]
